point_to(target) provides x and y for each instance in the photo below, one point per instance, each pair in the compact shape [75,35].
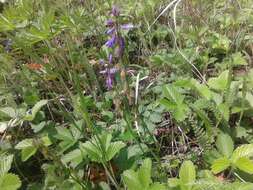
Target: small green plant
[141,179]
[8,181]
[238,158]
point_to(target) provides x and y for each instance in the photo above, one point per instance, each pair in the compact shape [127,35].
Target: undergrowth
[137,95]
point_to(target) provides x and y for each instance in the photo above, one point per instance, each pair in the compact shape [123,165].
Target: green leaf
[220,82]
[26,153]
[75,157]
[157,186]
[220,165]
[24,144]
[225,144]
[242,151]
[131,180]
[187,175]
[35,110]
[144,173]
[27,148]
[93,151]
[10,182]
[113,149]
[238,59]
[173,94]
[245,164]
[5,163]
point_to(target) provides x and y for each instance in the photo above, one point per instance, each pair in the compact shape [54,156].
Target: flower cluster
[115,43]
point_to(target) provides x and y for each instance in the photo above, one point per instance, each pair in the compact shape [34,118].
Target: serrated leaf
[238,59]
[131,180]
[75,157]
[9,111]
[10,182]
[144,173]
[220,82]
[157,186]
[93,151]
[220,165]
[24,144]
[26,153]
[5,163]
[187,175]
[36,108]
[113,149]
[245,164]
[242,151]
[225,144]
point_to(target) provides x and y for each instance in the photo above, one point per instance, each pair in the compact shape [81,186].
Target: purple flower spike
[115,11]
[109,82]
[109,71]
[110,58]
[111,42]
[120,49]
[127,26]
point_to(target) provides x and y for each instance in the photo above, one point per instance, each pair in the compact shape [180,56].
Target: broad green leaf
[5,163]
[174,182]
[113,149]
[64,134]
[224,110]
[187,175]
[144,173]
[93,151]
[75,157]
[220,82]
[131,180]
[173,94]
[24,144]
[202,89]
[157,186]
[35,110]
[10,182]
[8,111]
[245,164]
[46,141]
[238,59]
[26,153]
[225,144]
[220,165]
[242,151]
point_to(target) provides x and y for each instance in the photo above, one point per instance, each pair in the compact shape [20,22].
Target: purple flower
[102,62]
[111,42]
[115,11]
[120,48]
[109,84]
[110,71]
[109,23]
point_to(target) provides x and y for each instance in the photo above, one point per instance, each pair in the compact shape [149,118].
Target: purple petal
[120,49]
[109,23]
[109,82]
[127,26]
[115,11]
[110,31]
[111,42]
[110,58]
[109,71]
[102,62]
